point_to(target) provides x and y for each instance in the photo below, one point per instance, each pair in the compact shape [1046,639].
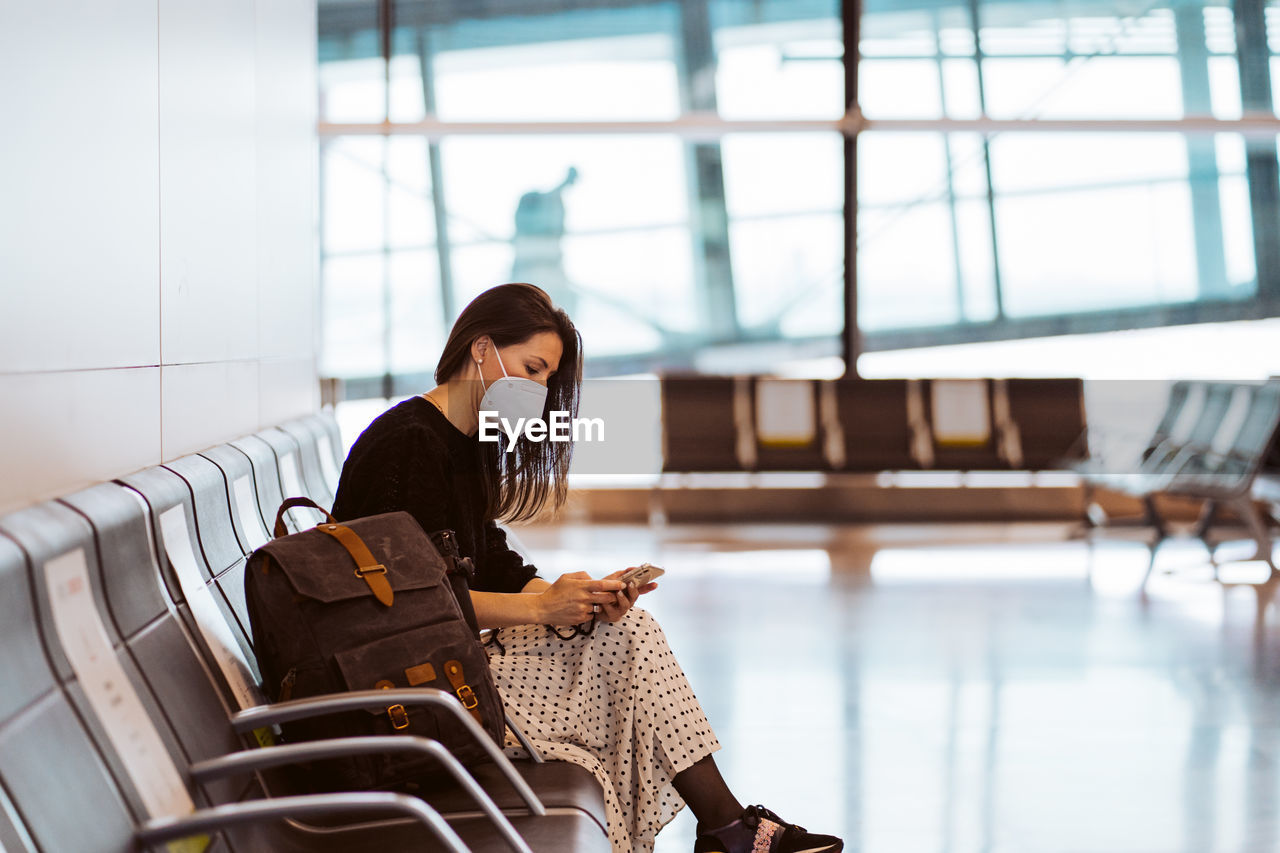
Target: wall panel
[63,431]
[157,232]
[287,200]
[204,404]
[288,388]
[208,207]
[79,222]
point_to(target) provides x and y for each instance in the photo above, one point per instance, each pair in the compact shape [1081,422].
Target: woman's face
[536,358]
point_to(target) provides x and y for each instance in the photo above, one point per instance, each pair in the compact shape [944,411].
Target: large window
[1035,168]
[583,150]
[681,176]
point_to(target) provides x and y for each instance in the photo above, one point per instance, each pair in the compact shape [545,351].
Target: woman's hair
[519,484]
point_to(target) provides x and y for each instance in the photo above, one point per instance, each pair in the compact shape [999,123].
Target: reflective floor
[968,687]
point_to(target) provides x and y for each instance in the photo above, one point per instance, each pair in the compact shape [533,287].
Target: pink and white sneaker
[761,831]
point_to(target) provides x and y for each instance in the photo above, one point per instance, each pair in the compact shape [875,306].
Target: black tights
[707,795]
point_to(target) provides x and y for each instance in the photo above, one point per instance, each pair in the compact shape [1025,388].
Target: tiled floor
[967,688]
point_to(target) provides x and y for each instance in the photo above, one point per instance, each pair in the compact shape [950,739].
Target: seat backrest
[209,602]
[1179,393]
[97,670]
[789,427]
[156,631]
[326,420]
[328,455]
[962,422]
[1251,442]
[874,419]
[215,522]
[212,509]
[1217,400]
[59,790]
[266,479]
[700,423]
[295,484]
[314,476]
[246,515]
[1049,414]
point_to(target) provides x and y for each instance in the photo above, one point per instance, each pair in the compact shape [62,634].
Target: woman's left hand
[624,599]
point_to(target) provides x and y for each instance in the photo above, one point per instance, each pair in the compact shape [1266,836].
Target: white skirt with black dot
[616,703]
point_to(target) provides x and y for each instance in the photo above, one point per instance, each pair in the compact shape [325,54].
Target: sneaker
[761,831]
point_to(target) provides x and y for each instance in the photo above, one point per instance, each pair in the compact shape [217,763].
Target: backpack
[370,604]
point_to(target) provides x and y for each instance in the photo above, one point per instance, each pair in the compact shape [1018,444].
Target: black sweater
[412,458]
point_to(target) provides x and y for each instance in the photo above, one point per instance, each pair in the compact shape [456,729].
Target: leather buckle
[379,568]
[468,696]
[399,717]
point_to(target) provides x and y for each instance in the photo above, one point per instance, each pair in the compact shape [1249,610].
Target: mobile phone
[641,574]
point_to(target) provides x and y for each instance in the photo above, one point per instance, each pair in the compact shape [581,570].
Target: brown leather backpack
[363,605]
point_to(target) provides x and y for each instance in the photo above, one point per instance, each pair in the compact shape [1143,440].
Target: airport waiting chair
[88,757]
[1224,476]
[1228,430]
[962,425]
[1044,422]
[1145,474]
[790,424]
[705,423]
[178,522]
[882,425]
[266,479]
[295,479]
[317,471]
[327,422]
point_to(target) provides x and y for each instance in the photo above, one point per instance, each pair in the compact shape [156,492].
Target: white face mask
[512,397]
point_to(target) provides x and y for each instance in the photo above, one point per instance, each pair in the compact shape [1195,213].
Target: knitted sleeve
[397,470]
[503,569]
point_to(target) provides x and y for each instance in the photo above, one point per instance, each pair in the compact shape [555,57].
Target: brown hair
[518,485]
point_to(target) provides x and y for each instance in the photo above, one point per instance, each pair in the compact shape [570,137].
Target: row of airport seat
[1213,442]
[754,423]
[131,713]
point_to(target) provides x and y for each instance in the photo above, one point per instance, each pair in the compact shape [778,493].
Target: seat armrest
[159,830]
[359,700]
[253,760]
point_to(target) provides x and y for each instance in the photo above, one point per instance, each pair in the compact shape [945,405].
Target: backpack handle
[290,503]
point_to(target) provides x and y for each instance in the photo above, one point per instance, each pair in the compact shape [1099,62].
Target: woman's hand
[571,599]
[623,600]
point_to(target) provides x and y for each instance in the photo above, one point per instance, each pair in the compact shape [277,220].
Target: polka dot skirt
[616,703]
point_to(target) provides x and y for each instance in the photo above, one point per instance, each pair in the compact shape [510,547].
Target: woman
[610,696]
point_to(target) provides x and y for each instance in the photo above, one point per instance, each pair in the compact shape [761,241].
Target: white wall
[158,207]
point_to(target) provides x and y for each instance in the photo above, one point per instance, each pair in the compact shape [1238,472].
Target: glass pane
[777,60]
[417,329]
[354,320]
[600,223]
[604,224]
[481,63]
[1065,60]
[1084,222]
[352,74]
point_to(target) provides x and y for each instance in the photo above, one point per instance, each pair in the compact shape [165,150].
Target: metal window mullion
[996,280]
[951,184]
[385,35]
[444,248]
[851,337]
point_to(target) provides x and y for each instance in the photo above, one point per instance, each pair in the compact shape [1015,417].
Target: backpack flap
[438,656]
[390,553]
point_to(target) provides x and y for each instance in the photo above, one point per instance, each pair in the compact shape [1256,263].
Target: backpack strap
[453,669]
[461,572]
[368,568]
[279,529]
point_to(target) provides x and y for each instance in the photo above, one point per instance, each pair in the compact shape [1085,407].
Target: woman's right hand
[571,599]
